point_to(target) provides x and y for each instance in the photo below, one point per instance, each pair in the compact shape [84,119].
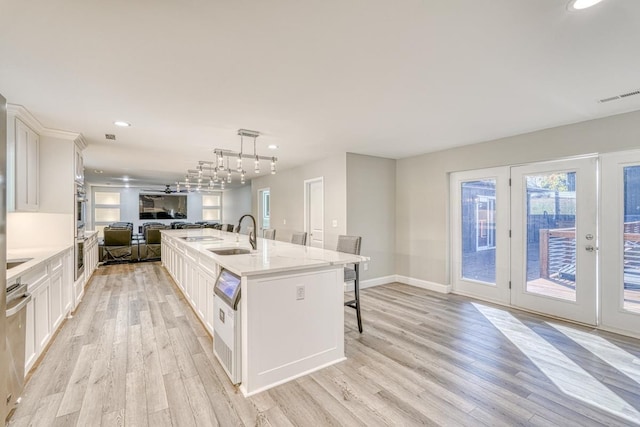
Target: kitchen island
[291,307]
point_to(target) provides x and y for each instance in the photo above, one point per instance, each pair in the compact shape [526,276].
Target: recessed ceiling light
[273,147]
[98,171]
[125,178]
[581,4]
[122,124]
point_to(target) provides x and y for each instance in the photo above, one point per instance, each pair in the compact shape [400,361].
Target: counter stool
[351,245]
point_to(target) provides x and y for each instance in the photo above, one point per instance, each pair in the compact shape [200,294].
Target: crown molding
[30,120]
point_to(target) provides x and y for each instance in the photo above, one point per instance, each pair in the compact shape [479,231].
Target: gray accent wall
[235,203]
[422,183]
[287,197]
[371,211]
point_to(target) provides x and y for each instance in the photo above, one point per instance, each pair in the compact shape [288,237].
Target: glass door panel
[620,242]
[631,239]
[551,234]
[480,233]
[478,225]
[553,246]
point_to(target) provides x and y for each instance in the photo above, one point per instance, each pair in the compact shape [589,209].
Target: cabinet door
[67,284]
[79,165]
[56,299]
[209,283]
[27,167]
[30,333]
[41,304]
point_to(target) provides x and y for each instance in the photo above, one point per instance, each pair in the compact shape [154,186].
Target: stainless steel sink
[11,263]
[231,251]
[201,238]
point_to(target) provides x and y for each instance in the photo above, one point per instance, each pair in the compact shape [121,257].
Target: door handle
[15,308]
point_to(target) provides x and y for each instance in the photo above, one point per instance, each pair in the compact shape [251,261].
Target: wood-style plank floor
[135,354]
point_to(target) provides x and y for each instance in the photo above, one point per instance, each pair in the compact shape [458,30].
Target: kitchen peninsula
[291,307]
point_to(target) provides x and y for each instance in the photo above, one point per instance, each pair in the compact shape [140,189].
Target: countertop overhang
[270,256]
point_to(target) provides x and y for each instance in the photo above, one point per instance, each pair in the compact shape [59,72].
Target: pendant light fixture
[211,169]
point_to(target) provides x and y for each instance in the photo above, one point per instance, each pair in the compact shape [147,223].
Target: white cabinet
[90,255]
[55,293]
[42,308]
[79,165]
[50,285]
[23,165]
[194,274]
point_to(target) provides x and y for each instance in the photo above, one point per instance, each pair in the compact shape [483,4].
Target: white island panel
[285,337]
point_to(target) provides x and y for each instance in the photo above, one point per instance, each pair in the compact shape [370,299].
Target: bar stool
[299,238]
[351,245]
[269,233]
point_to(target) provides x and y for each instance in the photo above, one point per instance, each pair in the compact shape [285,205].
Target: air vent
[635,92]
[110,136]
[617,97]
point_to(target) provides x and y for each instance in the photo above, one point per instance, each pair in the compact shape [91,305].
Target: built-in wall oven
[80,215]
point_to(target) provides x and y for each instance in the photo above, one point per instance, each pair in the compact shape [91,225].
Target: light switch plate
[334,223]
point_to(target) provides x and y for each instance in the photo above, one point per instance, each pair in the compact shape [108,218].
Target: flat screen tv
[165,206]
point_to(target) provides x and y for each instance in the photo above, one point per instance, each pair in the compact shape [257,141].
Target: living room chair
[117,245]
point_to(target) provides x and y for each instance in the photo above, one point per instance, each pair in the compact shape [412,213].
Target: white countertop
[271,256]
[37,255]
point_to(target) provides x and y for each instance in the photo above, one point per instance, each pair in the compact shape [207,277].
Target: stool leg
[357,294]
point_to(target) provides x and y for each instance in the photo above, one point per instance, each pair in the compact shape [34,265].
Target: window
[212,207]
[106,209]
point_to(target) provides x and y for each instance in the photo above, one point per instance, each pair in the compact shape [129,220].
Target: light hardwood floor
[135,354]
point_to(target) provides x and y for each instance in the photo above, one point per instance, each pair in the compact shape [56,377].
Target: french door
[531,244]
[480,208]
[554,238]
[620,243]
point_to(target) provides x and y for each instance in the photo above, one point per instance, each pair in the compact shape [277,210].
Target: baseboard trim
[418,283]
[369,283]
[424,284]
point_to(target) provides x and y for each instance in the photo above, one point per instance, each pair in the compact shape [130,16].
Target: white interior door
[620,242]
[264,210]
[314,211]
[554,238]
[480,233]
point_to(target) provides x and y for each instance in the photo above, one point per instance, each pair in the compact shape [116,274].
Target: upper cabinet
[23,166]
[79,165]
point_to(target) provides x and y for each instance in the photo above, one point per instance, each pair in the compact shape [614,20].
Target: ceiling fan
[166,190]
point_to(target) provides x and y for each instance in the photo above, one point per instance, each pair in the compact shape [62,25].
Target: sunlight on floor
[623,361]
[570,378]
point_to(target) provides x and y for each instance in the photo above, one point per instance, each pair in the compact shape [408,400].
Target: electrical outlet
[334,223]
[300,292]
[284,222]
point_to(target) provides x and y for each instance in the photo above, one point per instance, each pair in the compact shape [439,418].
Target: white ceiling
[378,77]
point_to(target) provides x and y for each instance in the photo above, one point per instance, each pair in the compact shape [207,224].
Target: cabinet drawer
[55,265]
[34,277]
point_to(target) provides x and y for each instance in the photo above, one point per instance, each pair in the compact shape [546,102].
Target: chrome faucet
[252,241]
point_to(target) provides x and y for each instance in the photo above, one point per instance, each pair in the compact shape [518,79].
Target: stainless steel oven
[79,249]
[80,210]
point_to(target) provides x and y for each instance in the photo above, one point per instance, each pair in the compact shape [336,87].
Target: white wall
[287,197]
[39,230]
[422,183]
[371,211]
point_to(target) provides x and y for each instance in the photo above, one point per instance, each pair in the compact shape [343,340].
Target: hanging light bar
[211,169]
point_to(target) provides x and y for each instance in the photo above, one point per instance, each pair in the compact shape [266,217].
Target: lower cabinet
[195,275]
[50,284]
